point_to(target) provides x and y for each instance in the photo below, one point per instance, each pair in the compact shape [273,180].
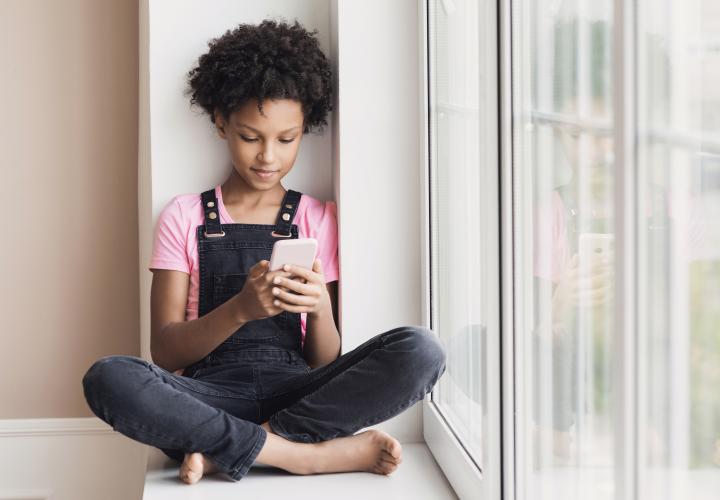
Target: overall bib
[226,253]
[258,374]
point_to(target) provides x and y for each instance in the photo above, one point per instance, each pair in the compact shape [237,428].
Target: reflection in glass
[565,233]
[568,352]
[679,180]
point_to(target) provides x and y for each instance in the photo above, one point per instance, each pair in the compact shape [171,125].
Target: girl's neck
[236,192]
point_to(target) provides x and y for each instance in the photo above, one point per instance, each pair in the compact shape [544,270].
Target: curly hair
[272,60]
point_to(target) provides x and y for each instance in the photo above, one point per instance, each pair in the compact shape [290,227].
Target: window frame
[461,470]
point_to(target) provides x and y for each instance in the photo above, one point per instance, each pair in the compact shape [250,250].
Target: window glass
[464,216]
[679,233]
[565,234]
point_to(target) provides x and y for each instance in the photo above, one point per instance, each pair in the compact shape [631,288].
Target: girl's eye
[255,139]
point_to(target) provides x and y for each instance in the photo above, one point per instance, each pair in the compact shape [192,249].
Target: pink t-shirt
[175,240]
[550,247]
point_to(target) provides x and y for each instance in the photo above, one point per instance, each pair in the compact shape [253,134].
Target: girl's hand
[306,295]
[255,300]
[587,286]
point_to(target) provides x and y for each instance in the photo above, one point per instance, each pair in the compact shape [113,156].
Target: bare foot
[194,466]
[370,451]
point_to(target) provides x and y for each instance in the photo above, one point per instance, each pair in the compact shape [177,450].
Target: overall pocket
[263,331]
[226,286]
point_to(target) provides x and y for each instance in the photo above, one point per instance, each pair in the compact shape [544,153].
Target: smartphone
[297,252]
[600,244]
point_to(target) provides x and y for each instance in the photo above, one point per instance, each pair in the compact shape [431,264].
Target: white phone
[601,244]
[297,252]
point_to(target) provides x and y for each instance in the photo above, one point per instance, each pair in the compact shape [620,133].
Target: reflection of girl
[254,385]
[563,284]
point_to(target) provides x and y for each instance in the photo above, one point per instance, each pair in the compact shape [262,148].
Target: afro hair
[271,60]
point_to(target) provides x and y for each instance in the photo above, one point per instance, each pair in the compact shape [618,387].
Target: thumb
[317,267]
[259,269]
[574,260]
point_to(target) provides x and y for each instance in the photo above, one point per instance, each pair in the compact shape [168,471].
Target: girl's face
[263,148]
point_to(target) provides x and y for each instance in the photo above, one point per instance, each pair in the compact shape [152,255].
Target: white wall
[379,167]
[180,149]
[368,160]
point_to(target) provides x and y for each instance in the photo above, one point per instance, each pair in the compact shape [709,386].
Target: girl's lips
[264,174]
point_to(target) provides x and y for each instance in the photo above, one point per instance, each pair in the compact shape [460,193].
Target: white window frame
[465,476]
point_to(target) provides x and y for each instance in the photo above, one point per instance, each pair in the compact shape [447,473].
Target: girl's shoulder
[317,219]
[312,209]
[186,206]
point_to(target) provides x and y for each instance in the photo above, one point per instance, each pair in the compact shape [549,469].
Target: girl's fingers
[295,286]
[594,297]
[302,273]
[599,280]
[291,308]
[292,298]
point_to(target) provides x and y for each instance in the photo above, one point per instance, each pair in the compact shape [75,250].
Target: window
[678,243]
[610,199]
[463,181]
[565,235]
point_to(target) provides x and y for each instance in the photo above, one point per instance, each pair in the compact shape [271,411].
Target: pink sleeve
[169,240]
[550,245]
[322,222]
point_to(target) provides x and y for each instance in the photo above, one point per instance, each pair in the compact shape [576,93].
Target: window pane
[565,232]
[679,223]
[464,216]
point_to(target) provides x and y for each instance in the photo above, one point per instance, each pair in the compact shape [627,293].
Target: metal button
[286,216]
[288,206]
[211,204]
[212,215]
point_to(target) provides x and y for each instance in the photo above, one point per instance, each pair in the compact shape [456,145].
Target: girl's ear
[220,124]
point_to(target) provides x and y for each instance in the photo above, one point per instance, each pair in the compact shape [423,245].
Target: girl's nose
[266,154]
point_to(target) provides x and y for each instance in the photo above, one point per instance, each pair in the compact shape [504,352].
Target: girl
[246,365]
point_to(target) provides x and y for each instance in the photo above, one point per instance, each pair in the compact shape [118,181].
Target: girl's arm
[322,339]
[174,342]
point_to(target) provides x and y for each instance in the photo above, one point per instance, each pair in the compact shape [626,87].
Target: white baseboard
[69,458]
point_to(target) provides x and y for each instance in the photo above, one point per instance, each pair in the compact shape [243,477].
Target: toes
[189,472]
[387,456]
[386,467]
[390,444]
[188,477]
[394,449]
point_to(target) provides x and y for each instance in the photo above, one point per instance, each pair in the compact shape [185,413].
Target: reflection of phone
[599,244]
[297,252]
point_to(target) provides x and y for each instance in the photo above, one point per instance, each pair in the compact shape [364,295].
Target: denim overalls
[258,374]
[226,253]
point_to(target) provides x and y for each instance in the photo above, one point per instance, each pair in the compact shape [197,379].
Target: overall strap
[287,213]
[212,215]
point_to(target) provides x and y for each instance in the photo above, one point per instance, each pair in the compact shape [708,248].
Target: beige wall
[68,147]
